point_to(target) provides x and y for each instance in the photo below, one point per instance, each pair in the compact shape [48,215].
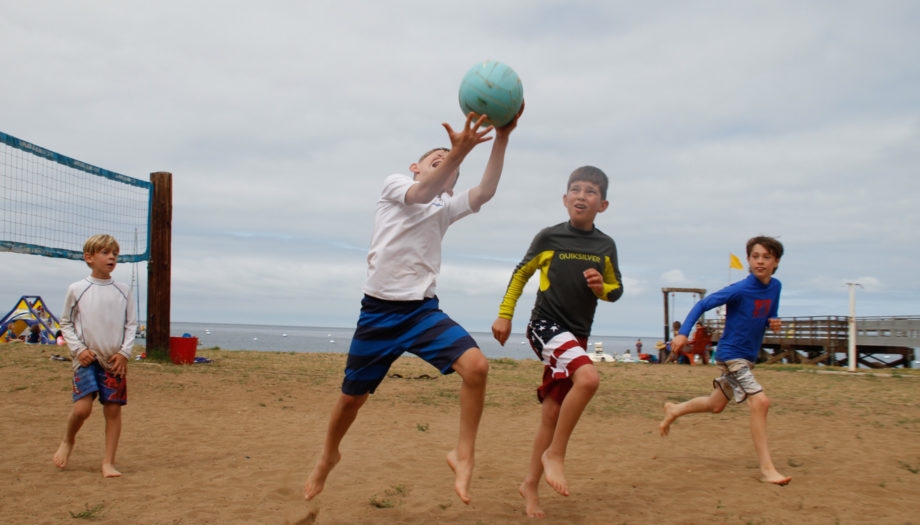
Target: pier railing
[891,331]
[821,339]
[804,330]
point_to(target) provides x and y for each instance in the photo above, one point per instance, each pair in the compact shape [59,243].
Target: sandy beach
[233,440]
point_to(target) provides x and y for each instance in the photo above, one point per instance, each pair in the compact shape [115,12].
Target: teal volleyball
[494,89]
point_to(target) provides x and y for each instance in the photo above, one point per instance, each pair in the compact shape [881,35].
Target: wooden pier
[822,340]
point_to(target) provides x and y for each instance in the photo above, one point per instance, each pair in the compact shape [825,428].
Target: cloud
[675,278]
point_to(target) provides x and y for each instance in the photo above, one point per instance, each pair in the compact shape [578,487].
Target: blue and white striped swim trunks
[387,329]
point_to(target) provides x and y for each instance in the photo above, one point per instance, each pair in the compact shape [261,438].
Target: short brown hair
[769,243]
[99,242]
[589,174]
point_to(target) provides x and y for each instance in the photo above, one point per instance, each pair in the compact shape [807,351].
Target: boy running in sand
[752,304]
[578,265]
[98,324]
[400,312]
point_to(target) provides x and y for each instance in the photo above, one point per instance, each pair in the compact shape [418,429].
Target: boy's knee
[474,367]
[587,378]
[82,409]
[481,366]
[82,412]
[717,402]
[759,402]
[350,403]
[478,374]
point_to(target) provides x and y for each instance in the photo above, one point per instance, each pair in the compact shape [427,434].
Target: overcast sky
[716,121]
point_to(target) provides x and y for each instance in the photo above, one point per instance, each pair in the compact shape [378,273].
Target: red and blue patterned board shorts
[94,379]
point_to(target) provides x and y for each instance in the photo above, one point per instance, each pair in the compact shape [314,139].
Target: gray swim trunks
[737,380]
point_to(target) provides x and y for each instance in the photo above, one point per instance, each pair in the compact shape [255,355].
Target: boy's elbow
[615,294]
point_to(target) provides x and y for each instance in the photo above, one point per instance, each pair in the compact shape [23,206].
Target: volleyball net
[50,204]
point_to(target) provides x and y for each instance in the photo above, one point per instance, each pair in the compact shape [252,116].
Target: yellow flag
[735,262]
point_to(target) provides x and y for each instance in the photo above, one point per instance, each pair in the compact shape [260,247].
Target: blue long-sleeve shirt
[749,306]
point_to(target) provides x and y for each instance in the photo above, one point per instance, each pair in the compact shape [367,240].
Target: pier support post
[851,324]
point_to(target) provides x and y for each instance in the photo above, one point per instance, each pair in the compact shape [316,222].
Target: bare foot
[665,426]
[317,479]
[463,470]
[63,454]
[532,499]
[109,471]
[554,473]
[776,478]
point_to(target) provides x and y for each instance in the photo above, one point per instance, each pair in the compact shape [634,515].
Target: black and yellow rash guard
[562,253]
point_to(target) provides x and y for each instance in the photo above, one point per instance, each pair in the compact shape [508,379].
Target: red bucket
[182,350]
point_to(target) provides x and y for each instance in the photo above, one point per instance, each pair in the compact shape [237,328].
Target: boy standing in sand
[98,324]
[751,304]
[400,311]
[578,265]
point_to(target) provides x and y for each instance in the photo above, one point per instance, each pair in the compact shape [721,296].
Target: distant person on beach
[638,346]
[400,312]
[665,355]
[752,304]
[98,324]
[578,265]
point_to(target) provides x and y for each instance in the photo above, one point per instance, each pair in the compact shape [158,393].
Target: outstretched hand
[464,141]
[506,130]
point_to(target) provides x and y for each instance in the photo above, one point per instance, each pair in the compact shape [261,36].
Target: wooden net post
[158,267]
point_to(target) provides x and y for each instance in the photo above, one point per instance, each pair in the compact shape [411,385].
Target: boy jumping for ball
[578,265]
[400,311]
[98,324]
[751,304]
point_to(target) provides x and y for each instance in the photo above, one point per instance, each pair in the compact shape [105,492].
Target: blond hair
[99,242]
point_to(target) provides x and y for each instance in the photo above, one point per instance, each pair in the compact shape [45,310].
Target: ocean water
[272,338]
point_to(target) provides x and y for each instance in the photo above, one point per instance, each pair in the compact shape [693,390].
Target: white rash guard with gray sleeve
[99,314]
